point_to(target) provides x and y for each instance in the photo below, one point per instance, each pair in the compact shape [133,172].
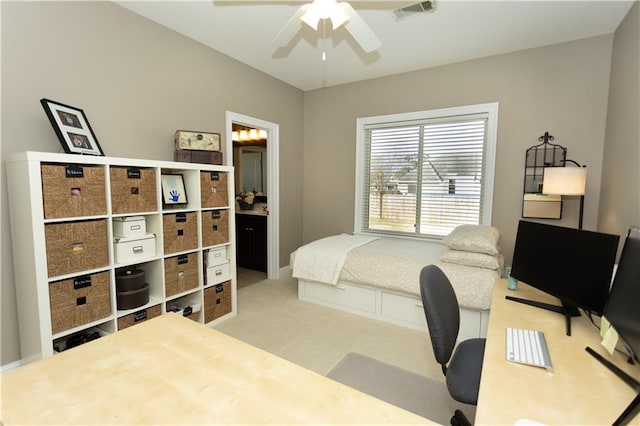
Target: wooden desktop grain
[579,391]
[170,370]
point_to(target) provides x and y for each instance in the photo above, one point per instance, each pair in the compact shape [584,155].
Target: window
[422,174]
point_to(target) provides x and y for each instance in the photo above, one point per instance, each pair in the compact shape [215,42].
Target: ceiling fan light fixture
[324,9]
[338,17]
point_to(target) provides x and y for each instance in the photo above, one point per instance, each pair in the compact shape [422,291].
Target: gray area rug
[413,392]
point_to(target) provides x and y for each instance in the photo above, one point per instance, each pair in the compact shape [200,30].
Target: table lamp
[566,181]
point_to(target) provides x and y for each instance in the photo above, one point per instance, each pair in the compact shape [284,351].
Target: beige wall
[138,83]
[562,89]
[620,192]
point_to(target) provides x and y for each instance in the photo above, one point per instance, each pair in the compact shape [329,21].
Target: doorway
[269,178]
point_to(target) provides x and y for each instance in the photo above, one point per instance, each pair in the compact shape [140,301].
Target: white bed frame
[386,305]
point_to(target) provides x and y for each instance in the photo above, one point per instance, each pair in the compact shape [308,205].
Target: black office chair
[462,367]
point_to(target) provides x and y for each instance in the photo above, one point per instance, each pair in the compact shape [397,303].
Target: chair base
[459,419]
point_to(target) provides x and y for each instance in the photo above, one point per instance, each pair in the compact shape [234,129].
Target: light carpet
[405,389]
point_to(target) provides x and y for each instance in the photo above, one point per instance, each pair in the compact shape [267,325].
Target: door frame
[273,181]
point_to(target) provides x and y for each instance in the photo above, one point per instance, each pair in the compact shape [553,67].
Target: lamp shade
[564,180]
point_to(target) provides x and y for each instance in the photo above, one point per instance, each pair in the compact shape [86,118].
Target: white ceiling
[455,31]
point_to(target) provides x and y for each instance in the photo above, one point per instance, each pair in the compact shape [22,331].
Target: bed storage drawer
[473,324]
[354,297]
[403,308]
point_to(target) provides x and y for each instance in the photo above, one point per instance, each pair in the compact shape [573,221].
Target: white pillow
[468,258]
[474,238]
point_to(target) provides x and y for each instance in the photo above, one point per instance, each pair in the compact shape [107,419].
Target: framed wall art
[72,128]
[173,191]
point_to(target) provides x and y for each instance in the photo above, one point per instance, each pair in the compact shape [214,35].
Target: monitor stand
[567,310]
[633,408]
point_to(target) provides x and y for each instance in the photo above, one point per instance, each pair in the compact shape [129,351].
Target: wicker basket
[193,316]
[133,190]
[76,246]
[139,316]
[71,191]
[180,273]
[213,189]
[215,227]
[217,301]
[78,301]
[180,232]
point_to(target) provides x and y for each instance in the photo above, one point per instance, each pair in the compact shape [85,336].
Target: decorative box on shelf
[217,256]
[202,141]
[129,227]
[195,156]
[132,249]
[197,147]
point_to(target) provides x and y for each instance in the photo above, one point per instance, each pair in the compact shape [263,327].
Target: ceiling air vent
[413,10]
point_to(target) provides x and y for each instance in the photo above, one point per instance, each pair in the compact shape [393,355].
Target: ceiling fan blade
[360,31]
[291,28]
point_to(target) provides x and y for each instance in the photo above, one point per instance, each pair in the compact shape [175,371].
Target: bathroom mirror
[251,169]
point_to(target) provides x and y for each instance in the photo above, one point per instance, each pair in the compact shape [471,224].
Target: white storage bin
[218,273]
[217,256]
[133,249]
[129,227]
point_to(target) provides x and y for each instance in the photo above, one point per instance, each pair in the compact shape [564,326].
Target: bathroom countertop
[252,212]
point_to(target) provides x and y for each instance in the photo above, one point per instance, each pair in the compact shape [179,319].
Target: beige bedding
[396,264]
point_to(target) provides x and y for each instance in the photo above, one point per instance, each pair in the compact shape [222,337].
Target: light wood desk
[171,370]
[579,391]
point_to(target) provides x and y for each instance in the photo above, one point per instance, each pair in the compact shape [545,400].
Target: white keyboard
[527,347]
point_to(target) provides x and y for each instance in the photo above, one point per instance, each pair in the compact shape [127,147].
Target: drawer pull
[138,249]
[341,287]
[420,305]
[75,192]
[181,274]
[81,301]
[135,190]
[180,232]
[77,247]
[214,190]
[218,272]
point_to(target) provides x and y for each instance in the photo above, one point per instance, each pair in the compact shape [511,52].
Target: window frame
[491,109]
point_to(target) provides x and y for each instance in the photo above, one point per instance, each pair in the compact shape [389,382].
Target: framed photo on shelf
[72,128]
[173,191]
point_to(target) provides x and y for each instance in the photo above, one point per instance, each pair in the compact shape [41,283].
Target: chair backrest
[441,311]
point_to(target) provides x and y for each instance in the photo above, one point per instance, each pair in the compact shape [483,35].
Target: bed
[379,277]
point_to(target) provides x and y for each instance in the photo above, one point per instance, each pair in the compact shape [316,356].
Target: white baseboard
[11,366]
[284,272]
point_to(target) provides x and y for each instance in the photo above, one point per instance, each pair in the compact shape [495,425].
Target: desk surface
[579,391]
[171,370]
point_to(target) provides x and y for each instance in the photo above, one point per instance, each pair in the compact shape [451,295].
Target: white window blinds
[423,177]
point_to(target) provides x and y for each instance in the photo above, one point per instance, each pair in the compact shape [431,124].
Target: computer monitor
[573,265]
[624,315]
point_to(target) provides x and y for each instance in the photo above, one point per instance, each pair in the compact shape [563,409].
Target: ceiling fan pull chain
[324,39]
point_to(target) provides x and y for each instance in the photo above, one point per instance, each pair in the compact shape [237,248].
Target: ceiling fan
[340,13]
